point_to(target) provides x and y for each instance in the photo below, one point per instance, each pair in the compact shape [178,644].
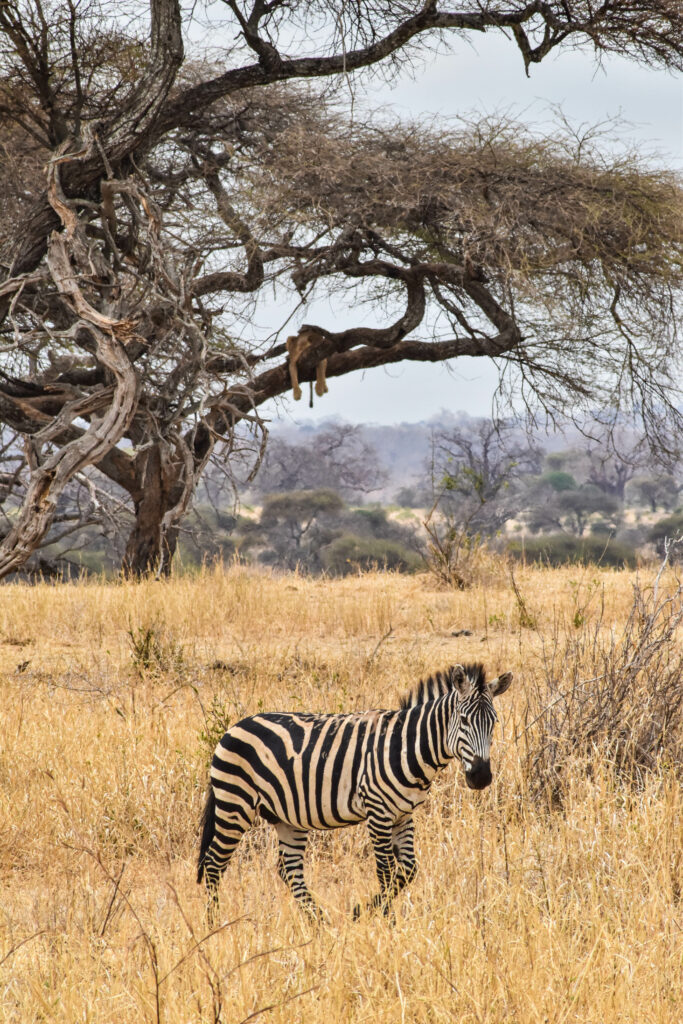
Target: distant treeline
[329,500]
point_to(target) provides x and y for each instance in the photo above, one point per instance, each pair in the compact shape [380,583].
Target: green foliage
[371,521]
[562,549]
[559,480]
[217,721]
[348,553]
[466,480]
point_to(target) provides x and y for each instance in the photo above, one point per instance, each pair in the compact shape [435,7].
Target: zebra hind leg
[224,826]
[290,865]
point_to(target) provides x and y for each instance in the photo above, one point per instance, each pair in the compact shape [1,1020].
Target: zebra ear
[459,680]
[500,684]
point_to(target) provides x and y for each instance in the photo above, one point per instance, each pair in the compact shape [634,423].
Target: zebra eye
[464,719]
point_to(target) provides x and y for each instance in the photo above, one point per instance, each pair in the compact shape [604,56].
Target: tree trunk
[152,542]
[150,548]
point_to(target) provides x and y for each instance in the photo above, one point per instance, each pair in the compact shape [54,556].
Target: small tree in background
[476,474]
[570,509]
[654,492]
[292,528]
[316,531]
[558,480]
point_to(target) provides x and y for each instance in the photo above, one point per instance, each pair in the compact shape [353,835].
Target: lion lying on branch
[297,345]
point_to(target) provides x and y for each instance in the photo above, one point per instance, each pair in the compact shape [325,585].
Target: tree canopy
[181,182]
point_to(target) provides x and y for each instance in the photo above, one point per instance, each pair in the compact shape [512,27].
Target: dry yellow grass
[517,914]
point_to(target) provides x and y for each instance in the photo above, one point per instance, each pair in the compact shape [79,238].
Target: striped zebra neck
[444,682]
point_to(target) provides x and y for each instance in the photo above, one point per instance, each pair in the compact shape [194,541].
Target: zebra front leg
[290,864]
[385,863]
[403,836]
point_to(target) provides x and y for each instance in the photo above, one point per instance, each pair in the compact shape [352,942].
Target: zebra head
[471,725]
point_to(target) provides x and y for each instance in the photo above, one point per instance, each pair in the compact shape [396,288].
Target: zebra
[301,772]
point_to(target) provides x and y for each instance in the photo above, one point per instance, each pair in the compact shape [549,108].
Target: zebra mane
[442,683]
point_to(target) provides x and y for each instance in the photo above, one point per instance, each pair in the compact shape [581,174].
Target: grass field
[555,895]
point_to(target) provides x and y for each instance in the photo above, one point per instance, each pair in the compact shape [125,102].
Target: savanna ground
[555,895]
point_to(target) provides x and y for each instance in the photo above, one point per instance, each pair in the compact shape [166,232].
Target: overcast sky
[488,78]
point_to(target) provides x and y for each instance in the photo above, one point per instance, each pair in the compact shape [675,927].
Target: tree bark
[152,541]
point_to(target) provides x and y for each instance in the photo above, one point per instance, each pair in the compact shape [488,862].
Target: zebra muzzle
[478,773]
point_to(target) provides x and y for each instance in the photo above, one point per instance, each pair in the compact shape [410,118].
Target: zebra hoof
[364,909]
[390,914]
[317,914]
[371,907]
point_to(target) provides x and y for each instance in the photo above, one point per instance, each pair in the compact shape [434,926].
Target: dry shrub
[458,559]
[616,696]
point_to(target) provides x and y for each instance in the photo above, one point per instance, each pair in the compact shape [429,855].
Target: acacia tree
[570,510]
[293,527]
[178,187]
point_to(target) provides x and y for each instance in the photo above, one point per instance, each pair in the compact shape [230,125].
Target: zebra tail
[208,829]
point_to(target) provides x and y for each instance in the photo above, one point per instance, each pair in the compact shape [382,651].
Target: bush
[373,523]
[349,553]
[605,694]
[562,549]
[413,497]
[370,522]
[670,526]
[458,559]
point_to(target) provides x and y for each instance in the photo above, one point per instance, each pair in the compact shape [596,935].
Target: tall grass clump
[155,649]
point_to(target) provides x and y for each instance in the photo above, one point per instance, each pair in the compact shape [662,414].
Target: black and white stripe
[301,772]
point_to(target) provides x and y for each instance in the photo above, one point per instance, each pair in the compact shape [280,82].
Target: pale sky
[485,78]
